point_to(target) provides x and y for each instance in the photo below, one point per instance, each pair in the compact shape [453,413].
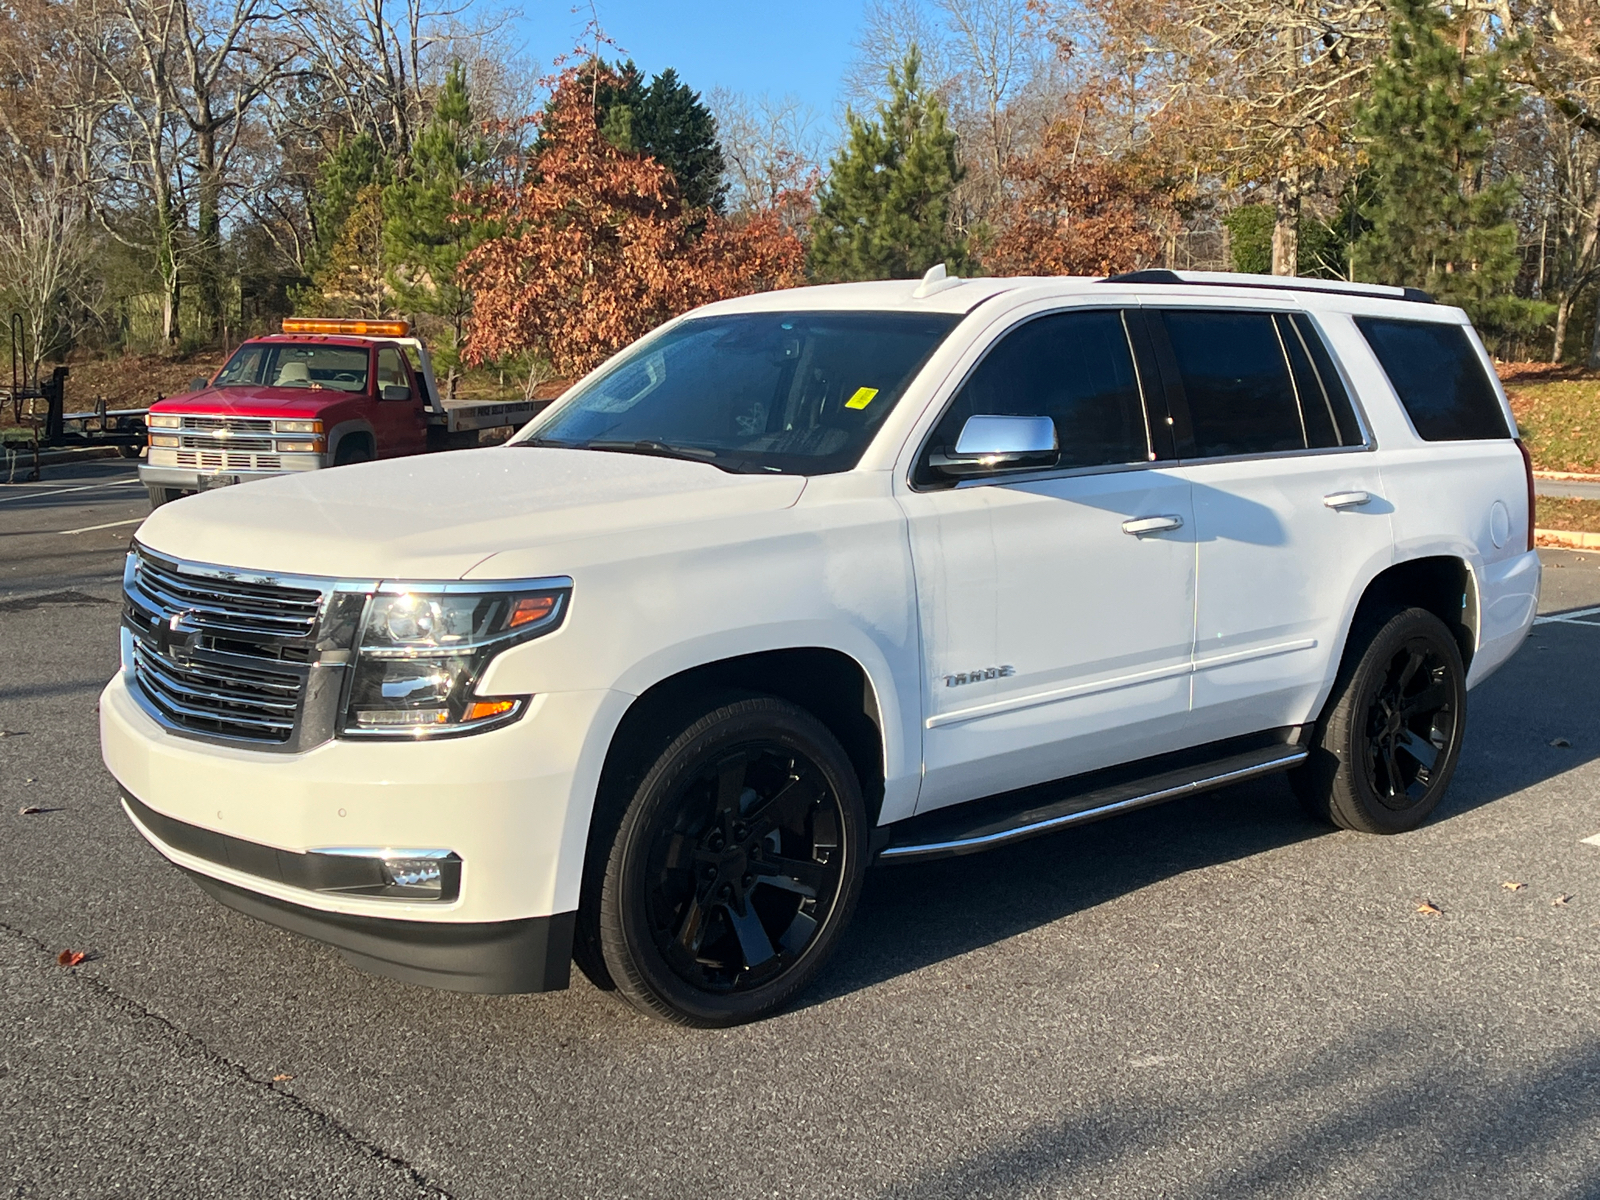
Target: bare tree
[772,148]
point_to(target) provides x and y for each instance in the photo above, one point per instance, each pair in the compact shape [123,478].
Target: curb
[1574,476]
[1566,540]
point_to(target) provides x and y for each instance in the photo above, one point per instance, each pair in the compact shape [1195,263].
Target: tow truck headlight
[162,421]
[164,439]
[423,650]
[297,427]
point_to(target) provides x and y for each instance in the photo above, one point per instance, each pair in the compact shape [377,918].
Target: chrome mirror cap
[989,444]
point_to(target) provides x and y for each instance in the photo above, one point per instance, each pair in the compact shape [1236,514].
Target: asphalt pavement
[1215,998]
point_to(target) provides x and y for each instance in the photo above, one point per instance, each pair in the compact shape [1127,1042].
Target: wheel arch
[1443,584]
[345,430]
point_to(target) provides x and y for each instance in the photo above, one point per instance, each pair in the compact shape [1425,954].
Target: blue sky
[761,47]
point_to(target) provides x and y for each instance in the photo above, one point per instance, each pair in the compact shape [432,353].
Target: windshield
[284,364]
[800,392]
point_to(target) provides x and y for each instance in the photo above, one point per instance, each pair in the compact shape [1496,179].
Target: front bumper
[191,479]
[495,957]
[512,803]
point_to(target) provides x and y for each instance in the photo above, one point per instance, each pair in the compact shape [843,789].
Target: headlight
[423,650]
[314,446]
[162,421]
[297,427]
[163,439]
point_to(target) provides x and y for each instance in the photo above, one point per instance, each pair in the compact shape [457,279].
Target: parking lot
[1211,998]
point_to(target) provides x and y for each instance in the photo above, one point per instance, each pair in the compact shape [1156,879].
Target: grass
[1558,412]
[1567,513]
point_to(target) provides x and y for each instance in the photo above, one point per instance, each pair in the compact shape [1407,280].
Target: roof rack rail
[1283,283]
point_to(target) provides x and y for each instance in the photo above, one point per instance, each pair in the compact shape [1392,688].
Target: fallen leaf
[1428,907]
[1559,900]
[1561,743]
[1513,887]
[70,958]
[27,810]
[282,1078]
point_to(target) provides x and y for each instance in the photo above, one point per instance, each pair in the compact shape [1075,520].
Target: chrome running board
[1002,820]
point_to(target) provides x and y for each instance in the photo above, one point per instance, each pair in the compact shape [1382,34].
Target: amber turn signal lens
[531,608]
[482,709]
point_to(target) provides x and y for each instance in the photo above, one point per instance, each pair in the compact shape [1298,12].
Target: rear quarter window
[1436,372]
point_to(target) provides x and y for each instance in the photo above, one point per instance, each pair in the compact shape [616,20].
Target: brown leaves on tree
[596,248]
[1078,214]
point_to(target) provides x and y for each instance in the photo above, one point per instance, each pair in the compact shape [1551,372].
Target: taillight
[1527,463]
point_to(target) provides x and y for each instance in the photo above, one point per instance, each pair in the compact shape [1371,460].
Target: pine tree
[1440,221]
[427,231]
[353,164]
[885,210]
[665,119]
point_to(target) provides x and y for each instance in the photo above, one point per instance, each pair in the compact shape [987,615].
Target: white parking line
[88,487]
[1570,618]
[1591,841]
[107,525]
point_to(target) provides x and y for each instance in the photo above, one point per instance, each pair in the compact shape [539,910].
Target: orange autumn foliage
[597,249]
[1073,215]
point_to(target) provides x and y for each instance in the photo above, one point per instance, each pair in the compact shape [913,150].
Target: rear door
[1056,636]
[1289,507]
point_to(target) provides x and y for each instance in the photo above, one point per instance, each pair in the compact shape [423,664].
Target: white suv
[816,578]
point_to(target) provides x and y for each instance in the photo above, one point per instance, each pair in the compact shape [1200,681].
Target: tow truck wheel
[354,449]
[736,868]
[161,495]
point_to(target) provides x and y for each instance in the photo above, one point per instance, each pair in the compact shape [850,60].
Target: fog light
[414,873]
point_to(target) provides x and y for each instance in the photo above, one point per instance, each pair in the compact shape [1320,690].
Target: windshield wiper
[712,458]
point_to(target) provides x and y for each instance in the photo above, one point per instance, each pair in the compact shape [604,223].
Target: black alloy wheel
[736,866]
[1412,724]
[1388,742]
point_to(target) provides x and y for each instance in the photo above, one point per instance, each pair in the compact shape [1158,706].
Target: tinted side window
[1325,391]
[1236,380]
[1436,373]
[1075,368]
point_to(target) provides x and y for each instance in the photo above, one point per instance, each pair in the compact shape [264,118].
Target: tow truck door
[401,426]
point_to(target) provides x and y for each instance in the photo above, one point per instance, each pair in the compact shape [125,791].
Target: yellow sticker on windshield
[862,398]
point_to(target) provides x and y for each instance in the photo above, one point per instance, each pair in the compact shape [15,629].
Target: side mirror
[989,445]
[198,383]
[395,391]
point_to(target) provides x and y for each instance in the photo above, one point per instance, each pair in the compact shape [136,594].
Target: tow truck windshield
[280,364]
[798,393]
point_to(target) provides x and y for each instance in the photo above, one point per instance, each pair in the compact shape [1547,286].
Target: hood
[254,401]
[437,516]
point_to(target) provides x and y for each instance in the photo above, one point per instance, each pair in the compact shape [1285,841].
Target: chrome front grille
[227,701]
[245,425]
[200,441]
[237,656]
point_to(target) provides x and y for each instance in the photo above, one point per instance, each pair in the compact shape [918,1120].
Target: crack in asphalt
[328,1122]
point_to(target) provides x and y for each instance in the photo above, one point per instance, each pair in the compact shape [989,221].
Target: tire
[161,495]
[353,449]
[128,451]
[1388,742]
[735,868]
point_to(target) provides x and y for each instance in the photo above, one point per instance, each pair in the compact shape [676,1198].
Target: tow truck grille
[234,655]
[246,425]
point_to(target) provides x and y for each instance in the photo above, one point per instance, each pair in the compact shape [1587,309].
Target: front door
[401,425]
[1057,608]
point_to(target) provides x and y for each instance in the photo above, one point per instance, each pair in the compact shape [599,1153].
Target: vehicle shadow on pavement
[1362,1114]
[913,916]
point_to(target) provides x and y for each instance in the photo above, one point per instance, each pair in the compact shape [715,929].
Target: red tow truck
[323,393]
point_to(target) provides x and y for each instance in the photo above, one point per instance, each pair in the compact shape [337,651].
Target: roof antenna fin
[936,280]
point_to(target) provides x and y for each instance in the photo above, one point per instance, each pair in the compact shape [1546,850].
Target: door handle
[1347,499]
[1142,525]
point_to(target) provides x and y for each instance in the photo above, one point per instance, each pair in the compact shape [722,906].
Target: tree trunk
[167,259]
[1286,225]
[1594,343]
[208,229]
[1563,312]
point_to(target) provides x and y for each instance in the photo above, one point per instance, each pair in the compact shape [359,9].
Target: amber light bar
[357,328]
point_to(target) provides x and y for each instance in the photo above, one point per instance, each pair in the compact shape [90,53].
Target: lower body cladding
[452,863]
